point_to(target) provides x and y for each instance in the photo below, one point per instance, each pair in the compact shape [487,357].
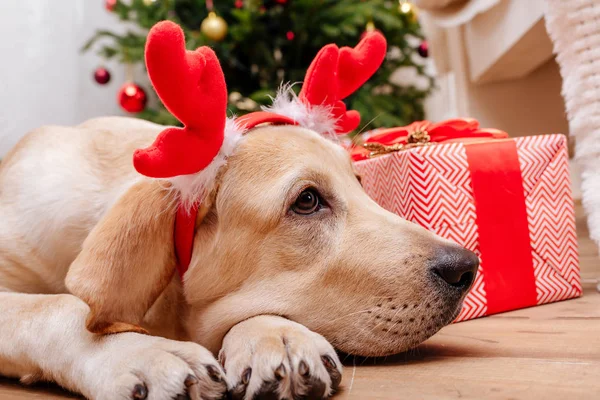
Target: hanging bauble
[132,97]
[214,27]
[405,7]
[409,9]
[282,1]
[239,3]
[290,35]
[370,27]
[110,4]
[423,49]
[101,76]
[148,3]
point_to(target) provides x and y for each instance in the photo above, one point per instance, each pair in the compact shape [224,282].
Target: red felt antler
[192,87]
[336,73]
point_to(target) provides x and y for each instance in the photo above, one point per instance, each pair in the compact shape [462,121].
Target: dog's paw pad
[287,363]
[150,368]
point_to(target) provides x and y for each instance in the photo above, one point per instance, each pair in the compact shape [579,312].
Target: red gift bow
[448,130]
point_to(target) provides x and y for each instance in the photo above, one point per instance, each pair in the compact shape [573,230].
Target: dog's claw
[280,372]
[214,374]
[140,392]
[303,369]
[334,373]
[246,376]
[239,391]
[190,380]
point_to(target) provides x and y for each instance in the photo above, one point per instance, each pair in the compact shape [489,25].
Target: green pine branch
[258,33]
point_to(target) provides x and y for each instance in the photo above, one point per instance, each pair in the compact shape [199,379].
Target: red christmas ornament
[290,35]
[239,3]
[110,4]
[282,1]
[102,76]
[423,49]
[132,98]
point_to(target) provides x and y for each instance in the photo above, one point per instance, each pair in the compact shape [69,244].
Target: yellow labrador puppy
[290,246]
[291,260]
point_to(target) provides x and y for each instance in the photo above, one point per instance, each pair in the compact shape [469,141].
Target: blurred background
[45,79]
[70,60]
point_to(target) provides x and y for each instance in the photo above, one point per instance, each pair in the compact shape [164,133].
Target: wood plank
[10,389]
[547,352]
[550,352]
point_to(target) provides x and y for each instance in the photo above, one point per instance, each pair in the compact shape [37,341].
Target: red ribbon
[184,230]
[444,131]
[502,225]
[497,183]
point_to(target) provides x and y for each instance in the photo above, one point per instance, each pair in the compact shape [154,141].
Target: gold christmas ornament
[405,7]
[408,8]
[214,27]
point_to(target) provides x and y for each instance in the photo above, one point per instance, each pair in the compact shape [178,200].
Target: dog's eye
[307,202]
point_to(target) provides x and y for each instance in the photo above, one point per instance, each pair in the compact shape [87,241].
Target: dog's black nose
[456,266]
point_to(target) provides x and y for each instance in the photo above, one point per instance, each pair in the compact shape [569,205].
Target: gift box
[507,199]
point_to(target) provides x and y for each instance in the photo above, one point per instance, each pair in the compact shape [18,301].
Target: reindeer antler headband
[192,87]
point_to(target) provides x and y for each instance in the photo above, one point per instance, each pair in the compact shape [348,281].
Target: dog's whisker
[347,355]
[368,123]
[353,375]
[395,323]
[380,323]
[366,326]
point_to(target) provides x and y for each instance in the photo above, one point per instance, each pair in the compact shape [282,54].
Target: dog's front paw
[138,367]
[269,357]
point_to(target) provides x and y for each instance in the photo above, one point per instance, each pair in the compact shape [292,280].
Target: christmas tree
[262,43]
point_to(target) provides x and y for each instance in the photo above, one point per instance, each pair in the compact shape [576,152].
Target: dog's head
[289,231]
[284,228]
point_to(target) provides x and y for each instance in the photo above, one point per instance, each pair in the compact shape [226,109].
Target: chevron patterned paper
[431,186]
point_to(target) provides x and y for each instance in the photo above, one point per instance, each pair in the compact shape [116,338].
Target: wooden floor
[548,352]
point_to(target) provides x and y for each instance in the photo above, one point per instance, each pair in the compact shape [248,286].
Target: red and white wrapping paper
[508,200]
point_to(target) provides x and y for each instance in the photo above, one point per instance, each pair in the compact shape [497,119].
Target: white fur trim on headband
[317,118]
[194,187]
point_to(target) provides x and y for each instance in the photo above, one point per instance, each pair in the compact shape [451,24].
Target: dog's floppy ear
[130,256]
[127,260]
